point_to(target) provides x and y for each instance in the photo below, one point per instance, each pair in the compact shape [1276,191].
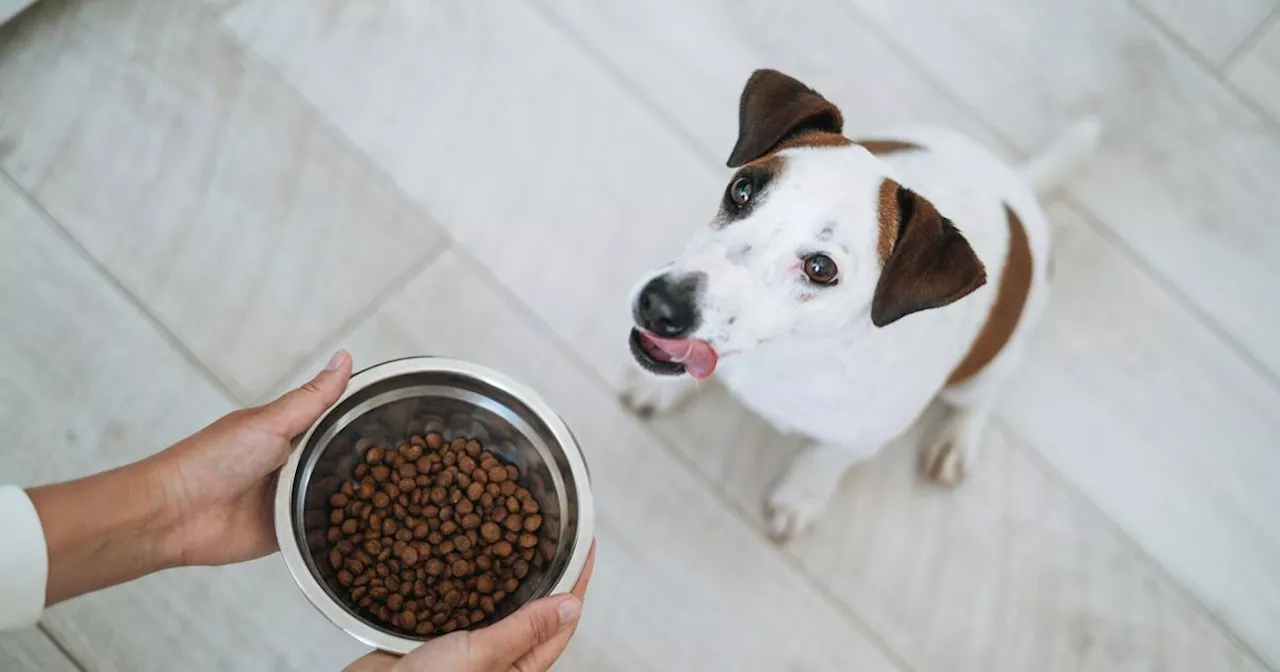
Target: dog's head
[812,237]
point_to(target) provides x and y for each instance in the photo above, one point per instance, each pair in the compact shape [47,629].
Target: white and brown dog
[846,284]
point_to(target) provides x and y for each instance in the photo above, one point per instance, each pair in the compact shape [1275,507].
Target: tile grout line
[130,298]
[57,644]
[334,338]
[1179,298]
[1204,64]
[1249,42]
[1069,197]
[1162,574]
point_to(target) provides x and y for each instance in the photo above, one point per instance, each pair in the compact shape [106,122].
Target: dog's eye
[820,269]
[740,191]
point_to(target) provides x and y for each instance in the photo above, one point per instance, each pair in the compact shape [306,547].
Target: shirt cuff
[24,560]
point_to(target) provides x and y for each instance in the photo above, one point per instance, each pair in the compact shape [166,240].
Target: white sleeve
[24,560]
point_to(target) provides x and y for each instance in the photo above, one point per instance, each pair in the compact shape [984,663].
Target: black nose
[665,306]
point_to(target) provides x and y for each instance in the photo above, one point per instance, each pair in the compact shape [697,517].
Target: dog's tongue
[698,357]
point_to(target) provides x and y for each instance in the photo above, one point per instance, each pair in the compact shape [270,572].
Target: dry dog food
[433,536]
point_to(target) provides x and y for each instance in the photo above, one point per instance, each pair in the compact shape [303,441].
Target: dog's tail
[1067,153]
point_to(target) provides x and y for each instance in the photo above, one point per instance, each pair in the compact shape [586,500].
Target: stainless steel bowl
[396,399]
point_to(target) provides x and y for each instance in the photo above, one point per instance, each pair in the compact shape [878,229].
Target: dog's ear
[931,264]
[775,107]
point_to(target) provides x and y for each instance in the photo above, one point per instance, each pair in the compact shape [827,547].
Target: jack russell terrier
[848,283]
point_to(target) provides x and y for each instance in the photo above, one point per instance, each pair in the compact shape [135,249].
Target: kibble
[433,535]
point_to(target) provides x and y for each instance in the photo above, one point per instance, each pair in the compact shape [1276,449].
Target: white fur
[808,359]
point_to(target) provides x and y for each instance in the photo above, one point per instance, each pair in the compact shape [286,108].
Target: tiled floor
[200,200]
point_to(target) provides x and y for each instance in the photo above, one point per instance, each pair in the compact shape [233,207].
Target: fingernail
[336,360]
[568,610]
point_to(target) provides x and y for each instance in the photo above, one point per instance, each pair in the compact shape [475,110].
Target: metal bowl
[394,400]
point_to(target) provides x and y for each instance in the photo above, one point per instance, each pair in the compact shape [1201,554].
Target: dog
[845,284]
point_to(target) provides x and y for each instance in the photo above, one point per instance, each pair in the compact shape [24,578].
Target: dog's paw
[952,453]
[798,501]
[647,395]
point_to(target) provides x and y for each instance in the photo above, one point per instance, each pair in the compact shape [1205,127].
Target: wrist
[103,530]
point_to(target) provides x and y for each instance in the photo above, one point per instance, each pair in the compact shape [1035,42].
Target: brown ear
[931,264]
[775,107]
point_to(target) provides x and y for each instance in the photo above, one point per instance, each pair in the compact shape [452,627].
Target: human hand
[529,640]
[206,500]
[219,483]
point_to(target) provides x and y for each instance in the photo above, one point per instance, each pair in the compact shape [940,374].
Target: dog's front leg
[647,394]
[801,496]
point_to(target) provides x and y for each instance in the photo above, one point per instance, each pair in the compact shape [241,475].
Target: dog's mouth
[673,356]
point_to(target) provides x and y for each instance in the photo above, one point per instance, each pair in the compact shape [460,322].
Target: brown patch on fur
[813,139]
[888,216]
[932,265]
[884,147]
[775,108]
[1011,298]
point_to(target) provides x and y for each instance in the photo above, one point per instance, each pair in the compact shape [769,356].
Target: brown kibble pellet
[429,536]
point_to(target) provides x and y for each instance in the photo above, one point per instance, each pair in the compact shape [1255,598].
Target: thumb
[508,640]
[293,413]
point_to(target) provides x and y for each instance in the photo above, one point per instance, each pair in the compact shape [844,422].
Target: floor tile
[31,650]
[89,384]
[1171,435]
[207,188]
[1257,71]
[1006,572]
[1183,176]
[1213,29]
[681,583]
[689,62]
[519,145]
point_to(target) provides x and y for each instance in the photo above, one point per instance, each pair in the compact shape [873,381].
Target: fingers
[545,654]
[293,413]
[503,643]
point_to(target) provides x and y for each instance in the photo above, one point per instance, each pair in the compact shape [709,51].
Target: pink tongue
[698,357]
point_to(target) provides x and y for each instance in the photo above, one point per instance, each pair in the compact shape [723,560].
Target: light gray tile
[1170,434]
[690,61]
[206,187]
[1214,29]
[88,384]
[1006,572]
[30,650]
[681,584]
[1257,71]
[514,141]
[1184,175]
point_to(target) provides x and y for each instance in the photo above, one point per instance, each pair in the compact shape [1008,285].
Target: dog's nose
[665,307]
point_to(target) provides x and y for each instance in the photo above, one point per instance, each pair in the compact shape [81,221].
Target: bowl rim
[286,525]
